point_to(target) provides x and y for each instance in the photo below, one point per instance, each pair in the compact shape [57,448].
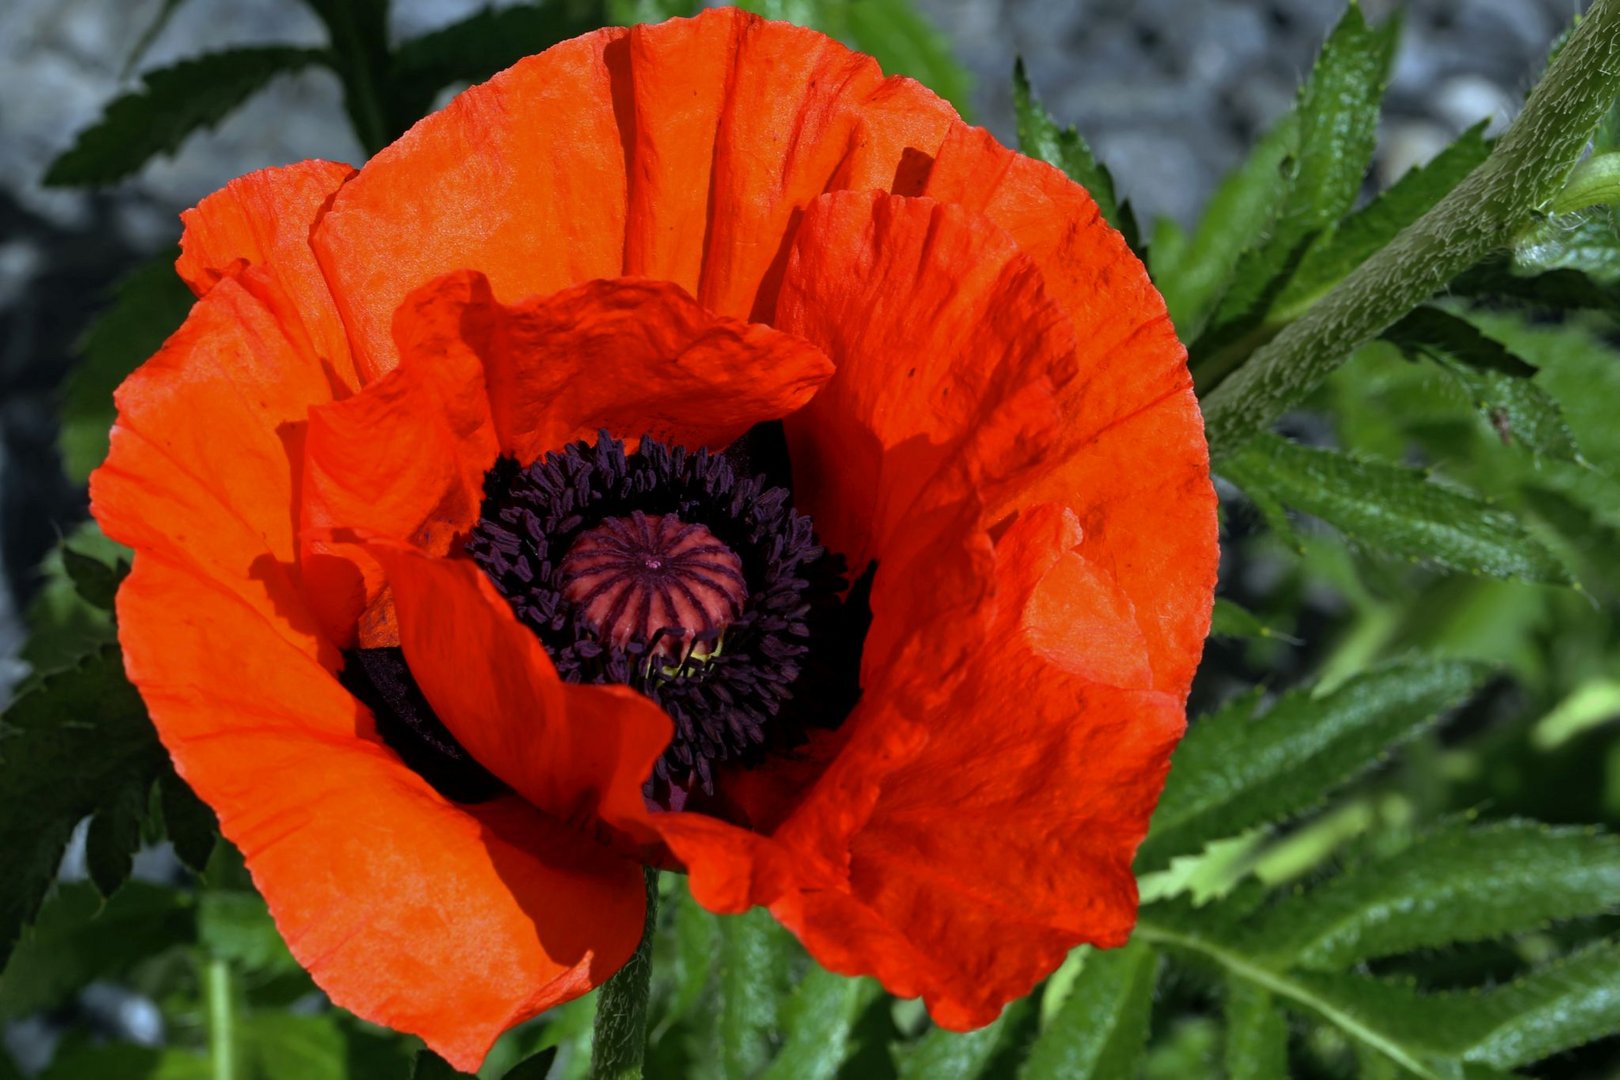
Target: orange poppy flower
[452,660]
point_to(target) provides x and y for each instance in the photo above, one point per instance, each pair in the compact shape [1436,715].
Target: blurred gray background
[1169,92]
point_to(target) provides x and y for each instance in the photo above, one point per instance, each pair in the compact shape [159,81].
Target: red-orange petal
[578,753]
[208,447]
[522,178]
[636,357]
[626,153]
[1132,462]
[453,923]
[264,219]
[948,351]
[1047,804]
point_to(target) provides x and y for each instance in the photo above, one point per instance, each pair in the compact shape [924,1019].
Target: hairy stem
[1522,176]
[619,1041]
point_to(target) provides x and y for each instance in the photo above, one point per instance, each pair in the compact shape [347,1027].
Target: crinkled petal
[208,449]
[264,219]
[1050,777]
[949,353]
[683,151]
[1132,463]
[405,459]
[453,923]
[579,753]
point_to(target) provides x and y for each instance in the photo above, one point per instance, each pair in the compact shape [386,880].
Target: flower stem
[619,1041]
[1525,172]
[220,988]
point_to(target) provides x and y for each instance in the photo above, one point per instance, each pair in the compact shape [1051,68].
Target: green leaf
[114,835]
[952,1055]
[817,1021]
[79,937]
[1560,1006]
[1040,137]
[123,1061]
[1338,131]
[1256,1034]
[430,1066]
[69,747]
[1234,771]
[1595,182]
[1496,381]
[1588,242]
[754,956]
[147,306]
[1101,1028]
[480,45]
[533,1067]
[173,103]
[1395,510]
[63,627]
[1459,883]
[188,821]
[1230,619]
[630,12]
[903,42]
[1349,244]
[96,581]
[236,926]
[1496,280]
[281,1044]
[1237,219]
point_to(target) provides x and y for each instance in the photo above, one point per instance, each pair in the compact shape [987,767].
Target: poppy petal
[630,356]
[578,753]
[404,459]
[207,450]
[1132,462]
[522,177]
[626,153]
[1048,804]
[264,219]
[453,923]
[948,351]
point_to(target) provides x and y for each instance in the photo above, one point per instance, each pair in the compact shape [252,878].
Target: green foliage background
[1386,846]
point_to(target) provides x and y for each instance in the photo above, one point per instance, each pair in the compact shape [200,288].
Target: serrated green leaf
[1456,884]
[1560,1006]
[62,625]
[147,306]
[1256,1034]
[1348,244]
[475,48]
[1395,510]
[1338,131]
[114,835]
[753,960]
[1040,137]
[1560,290]
[950,1055]
[817,1021]
[79,937]
[172,103]
[1101,1028]
[188,822]
[1232,772]
[1496,381]
[68,748]
[1587,242]
[1238,219]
